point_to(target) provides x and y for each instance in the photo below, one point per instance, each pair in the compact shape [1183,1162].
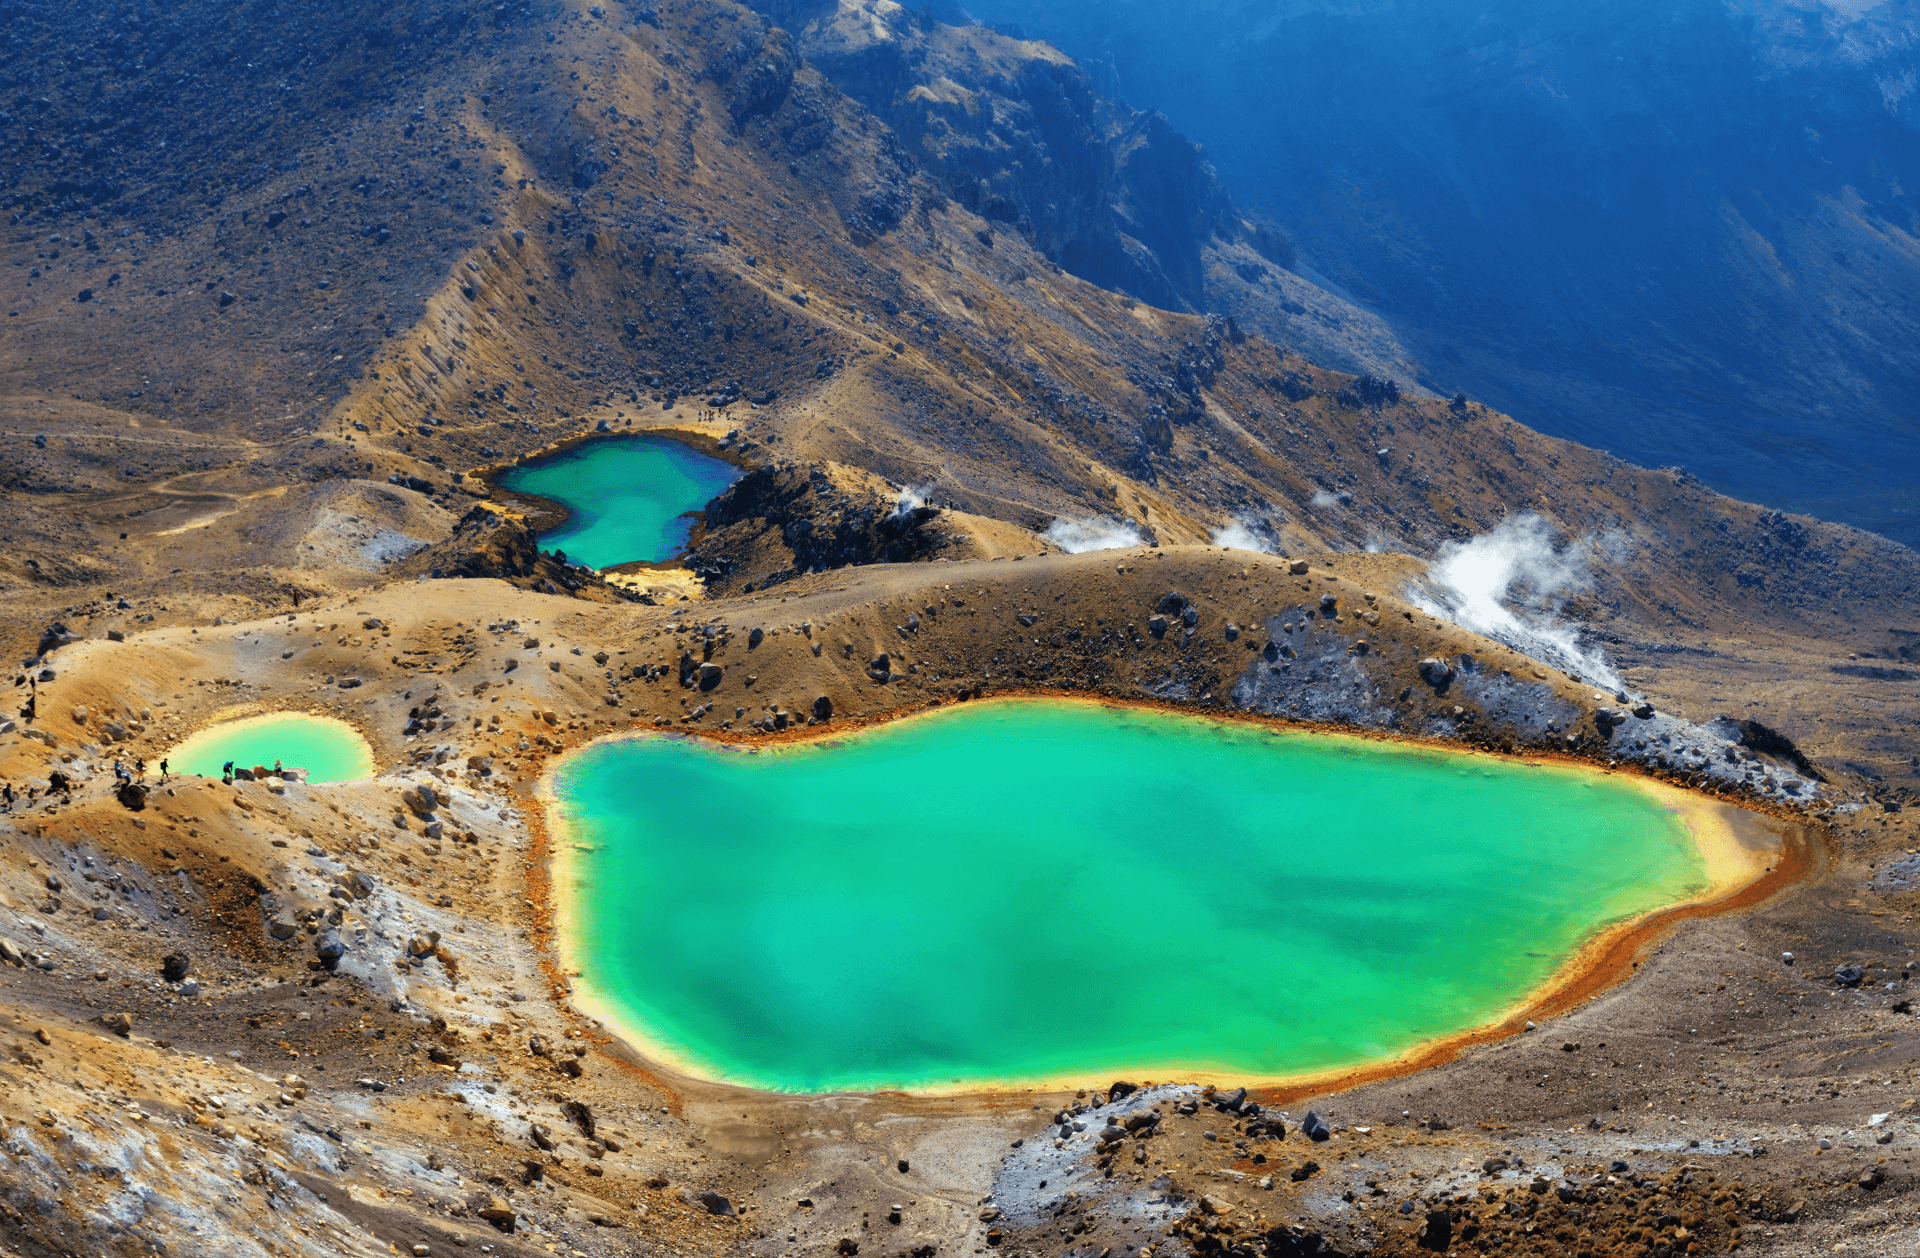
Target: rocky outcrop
[490,543]
[783,520]
[1016,132]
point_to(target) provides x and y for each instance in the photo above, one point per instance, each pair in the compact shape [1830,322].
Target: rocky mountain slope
[1019,134]
[454,238]
[1683,233]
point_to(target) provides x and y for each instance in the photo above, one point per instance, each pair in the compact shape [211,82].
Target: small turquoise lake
[627,497]
[1032,890]
[329,750]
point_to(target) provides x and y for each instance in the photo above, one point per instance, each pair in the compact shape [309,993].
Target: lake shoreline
[1745,861]
[239,724]
[545,515]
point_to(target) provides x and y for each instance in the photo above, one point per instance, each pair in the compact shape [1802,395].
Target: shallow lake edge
[241,716]
[1720,830]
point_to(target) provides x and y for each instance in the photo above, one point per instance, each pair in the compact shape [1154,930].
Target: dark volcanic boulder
[329,947]
[54,637]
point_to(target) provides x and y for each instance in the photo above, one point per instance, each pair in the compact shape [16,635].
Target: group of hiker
[60,784]
[120,773]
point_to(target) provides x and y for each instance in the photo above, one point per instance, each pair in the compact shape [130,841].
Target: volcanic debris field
[289,292]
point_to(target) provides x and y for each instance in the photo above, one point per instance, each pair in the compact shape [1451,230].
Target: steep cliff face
[1015,131]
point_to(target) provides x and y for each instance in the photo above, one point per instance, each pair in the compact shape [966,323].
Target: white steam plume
[1474,583]
[912,496]
[1100,533]
[1239,534]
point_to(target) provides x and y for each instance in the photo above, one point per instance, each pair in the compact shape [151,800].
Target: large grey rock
[329,947]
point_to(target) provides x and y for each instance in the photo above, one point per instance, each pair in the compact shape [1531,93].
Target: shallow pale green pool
[329,750]
[1028,890]
[628,496]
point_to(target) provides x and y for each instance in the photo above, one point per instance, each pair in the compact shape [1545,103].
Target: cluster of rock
[784,519]
[488,542]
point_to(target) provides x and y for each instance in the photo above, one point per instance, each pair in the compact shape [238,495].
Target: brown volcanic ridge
[286,284]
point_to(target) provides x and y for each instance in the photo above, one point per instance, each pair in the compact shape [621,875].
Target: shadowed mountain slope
[1684,233]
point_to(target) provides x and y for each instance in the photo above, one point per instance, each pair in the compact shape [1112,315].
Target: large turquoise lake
[628,497]
[1030,890]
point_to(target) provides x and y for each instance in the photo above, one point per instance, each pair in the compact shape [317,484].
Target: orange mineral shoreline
[1740,880]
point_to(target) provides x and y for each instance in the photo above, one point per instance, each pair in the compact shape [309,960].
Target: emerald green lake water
[329,750]
[628,496]
[1030,890]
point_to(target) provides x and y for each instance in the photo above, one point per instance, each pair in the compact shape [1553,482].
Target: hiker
[226,773]
[276,768]
[140,766]
[7,794]
[120,773]
[163,769]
